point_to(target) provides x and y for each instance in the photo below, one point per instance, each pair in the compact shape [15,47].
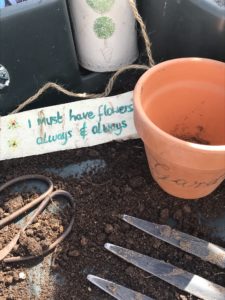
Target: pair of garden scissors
[41,202]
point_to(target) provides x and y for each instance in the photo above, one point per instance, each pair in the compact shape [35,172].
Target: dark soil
[124,186]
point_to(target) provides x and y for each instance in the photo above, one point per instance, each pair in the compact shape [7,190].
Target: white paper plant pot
[105,34]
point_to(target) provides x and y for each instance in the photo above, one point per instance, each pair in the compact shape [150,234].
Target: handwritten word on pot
[79,124]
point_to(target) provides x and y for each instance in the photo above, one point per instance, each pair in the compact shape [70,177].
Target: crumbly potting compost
[122,185]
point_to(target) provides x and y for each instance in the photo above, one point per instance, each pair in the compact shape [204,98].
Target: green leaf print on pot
[104,27]
[101,6]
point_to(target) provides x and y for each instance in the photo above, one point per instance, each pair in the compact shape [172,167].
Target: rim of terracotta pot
[138,104]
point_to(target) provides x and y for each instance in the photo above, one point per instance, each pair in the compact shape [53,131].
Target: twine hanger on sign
[112,80]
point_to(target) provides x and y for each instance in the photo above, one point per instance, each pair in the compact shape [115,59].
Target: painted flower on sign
[13,124]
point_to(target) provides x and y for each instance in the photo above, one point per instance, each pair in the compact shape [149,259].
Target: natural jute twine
[112,80]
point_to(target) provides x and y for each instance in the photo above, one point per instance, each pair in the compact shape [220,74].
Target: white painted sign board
[67,126]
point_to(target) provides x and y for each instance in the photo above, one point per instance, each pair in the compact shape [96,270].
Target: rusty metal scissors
[41,202]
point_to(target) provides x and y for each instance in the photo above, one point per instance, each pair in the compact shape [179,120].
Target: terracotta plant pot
[179,112]
[105,34]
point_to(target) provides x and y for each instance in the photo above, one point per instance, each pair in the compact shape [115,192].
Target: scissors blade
[179,278]
[117,291]
[190,244]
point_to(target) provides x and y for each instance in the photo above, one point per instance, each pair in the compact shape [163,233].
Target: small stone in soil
[74,253]
[188,257]
[187,209]
[164,215]
[113,238]
[22,276]
[93,153]
[101,237]
[127,189]
[40,234]
[141,208]
[16,277]
[1,213]
[108,228]
[130,271]
[126,226]
[178,215]
[157,244]
[36,225]
[13,204]
[130,241]
[44,244]
[83,241]
[31,245]
[137,182]
[55,226]
[29,232]
[8,279]
[116,190]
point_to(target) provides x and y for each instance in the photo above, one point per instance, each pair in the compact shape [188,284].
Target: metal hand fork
[42,201]
[190,244]
[115,290]
[183,280]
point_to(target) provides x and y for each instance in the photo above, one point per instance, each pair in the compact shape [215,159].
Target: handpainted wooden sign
[67,126]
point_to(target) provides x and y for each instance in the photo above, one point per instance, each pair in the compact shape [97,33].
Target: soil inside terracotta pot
[115,179]
[194,139]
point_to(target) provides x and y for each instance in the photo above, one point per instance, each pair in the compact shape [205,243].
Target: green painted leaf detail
[101,6]
[104,27]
